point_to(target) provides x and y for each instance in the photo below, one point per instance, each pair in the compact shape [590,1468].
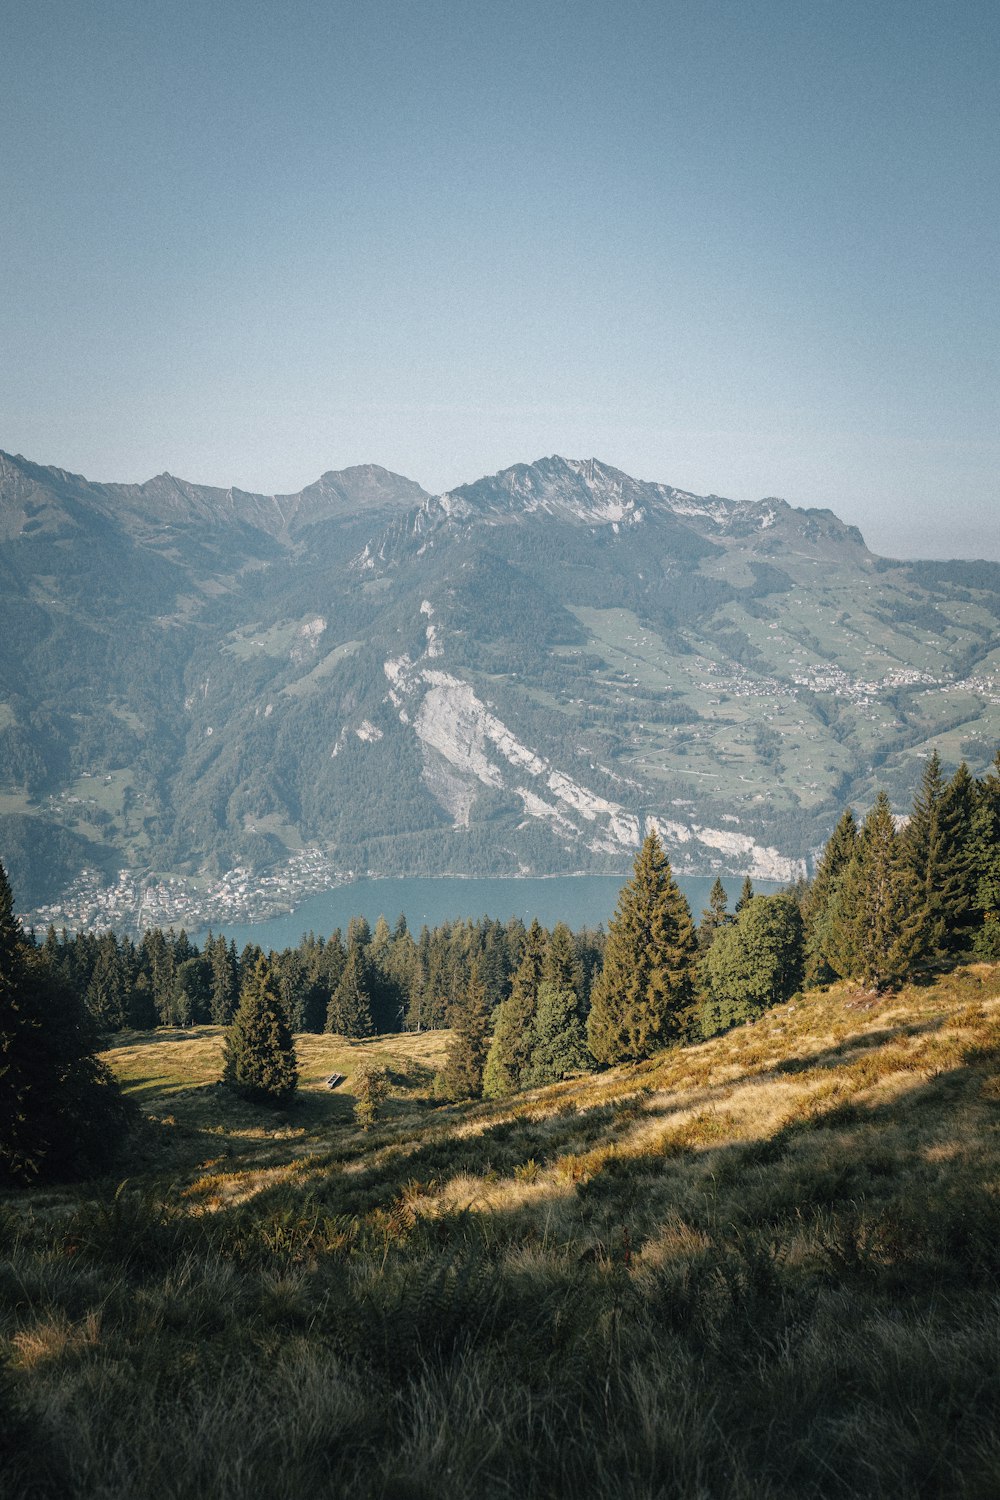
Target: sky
[745,247]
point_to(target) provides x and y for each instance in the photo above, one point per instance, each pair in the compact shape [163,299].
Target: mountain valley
[519,676]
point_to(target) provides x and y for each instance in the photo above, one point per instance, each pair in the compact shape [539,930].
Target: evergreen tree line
[886,905]
[356,985]
[529,1007]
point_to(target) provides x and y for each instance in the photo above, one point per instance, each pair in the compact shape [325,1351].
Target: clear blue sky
[749,247]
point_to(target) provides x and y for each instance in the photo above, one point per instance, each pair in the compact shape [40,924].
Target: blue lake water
[577,900]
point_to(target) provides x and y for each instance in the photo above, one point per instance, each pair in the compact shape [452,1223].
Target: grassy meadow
[763,1267]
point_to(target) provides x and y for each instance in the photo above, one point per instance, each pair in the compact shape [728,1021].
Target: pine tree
[259,1054]
[984,851]
[61,1110]
[746,894]
[934,843]
[958,810]
[561,965]
[827,952]
[157,957]
[224,983]
[644,997]
[509,1050]
[881,906]
[715,916]
[108,990]
[350,1009]
[753,964]
[557,1046]
[462,1075]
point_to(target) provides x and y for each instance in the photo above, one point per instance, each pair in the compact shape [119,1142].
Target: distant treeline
[526,1006]
[530,1006]
[356,983]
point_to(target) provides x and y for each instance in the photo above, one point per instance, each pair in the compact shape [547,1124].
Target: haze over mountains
[519,675]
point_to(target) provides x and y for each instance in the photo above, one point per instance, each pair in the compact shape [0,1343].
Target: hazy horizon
[744,250]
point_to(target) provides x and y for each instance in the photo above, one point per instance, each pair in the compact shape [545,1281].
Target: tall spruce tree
[934,844]
[958,813]
[61,1110]
[259,1058]
[746,894]
[984,852]
[462,1075]
[557,1046]
[827,948]
[510,1048]
[109,989]
[350,1009]
[225,990]
[715,916]
[881,905]
[753,964]
[561,965]
[645,994]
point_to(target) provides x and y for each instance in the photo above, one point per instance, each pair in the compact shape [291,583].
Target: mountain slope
[758,1269]
[521,674]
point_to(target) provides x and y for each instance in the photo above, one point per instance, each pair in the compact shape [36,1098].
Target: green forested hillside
[519,675]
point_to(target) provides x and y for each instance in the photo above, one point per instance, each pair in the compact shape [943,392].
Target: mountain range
[522,674]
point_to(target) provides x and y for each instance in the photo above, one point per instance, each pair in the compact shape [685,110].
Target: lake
[577,900]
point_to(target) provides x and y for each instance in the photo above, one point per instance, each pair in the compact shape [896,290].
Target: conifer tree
[561,964]
[158,958]
[753,964]
[715,916]
[746,894]
[462,1075]
[827,950]
[881,906]
[557,1045]
[259,1053]
[958,813]
[935,850]
[644,997]
[350,1009]
[984,850]
[510,1047]
[108,990]
[61,1110]
[224,983]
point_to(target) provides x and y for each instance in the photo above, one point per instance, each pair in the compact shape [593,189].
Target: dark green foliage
[935,843]
[510,1048]
[109,988]
[350,1009]
[557,1044]
[462,1076]
[827,955]
[61,1111]
[881,913]
[191,1003]
[753,964]
[644,997]
[745,895]
[984,853]
[370,1084]
[259,1052]
[715,916]
[224,980]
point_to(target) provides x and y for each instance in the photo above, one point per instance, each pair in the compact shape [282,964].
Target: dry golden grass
[767,1266]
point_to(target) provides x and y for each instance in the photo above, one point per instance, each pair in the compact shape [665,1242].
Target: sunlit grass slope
[762,1267]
